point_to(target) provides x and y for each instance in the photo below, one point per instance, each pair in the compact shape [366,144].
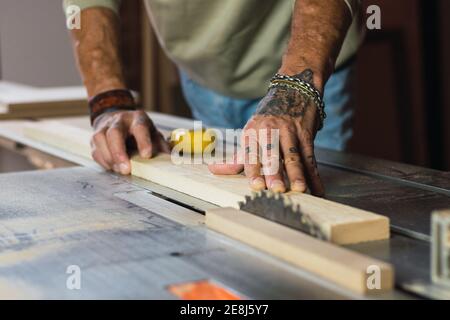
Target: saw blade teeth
[282,209]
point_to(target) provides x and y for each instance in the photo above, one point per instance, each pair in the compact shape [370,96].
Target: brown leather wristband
[110,101]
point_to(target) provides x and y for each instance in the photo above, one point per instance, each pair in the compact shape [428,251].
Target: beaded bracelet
[304,88]
[110,101]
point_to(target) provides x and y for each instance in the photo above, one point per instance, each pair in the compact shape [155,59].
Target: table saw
[132,238]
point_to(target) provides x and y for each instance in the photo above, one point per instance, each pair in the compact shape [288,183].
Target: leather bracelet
[110,101]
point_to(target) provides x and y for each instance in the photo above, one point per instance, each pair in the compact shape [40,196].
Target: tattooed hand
[296,117]
[114,131]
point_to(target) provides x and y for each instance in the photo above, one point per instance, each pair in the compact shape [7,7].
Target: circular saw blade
[279,208]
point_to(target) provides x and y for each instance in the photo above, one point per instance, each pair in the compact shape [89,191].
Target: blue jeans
[216,110]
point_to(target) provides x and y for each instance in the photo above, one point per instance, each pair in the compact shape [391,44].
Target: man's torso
[230,46]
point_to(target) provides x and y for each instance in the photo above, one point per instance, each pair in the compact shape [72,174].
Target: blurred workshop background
[403,101]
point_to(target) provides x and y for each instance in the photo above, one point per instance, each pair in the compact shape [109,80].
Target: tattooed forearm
[317,34]
[284,102]
[281,101]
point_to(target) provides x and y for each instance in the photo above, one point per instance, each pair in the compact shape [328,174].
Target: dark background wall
[403,76]
[443,78]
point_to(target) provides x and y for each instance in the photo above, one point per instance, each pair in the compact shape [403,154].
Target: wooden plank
[345,268]
[65,137]
[340,223]
[17,101]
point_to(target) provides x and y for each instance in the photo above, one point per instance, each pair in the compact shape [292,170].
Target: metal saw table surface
[53,219]
[406,194]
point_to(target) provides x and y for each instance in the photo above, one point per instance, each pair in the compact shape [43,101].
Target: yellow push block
[192,141]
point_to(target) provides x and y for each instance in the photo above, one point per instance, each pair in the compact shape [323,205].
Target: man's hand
[115,130]
[116,134]
[296,118]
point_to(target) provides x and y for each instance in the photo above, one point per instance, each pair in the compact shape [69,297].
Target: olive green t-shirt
[233,47]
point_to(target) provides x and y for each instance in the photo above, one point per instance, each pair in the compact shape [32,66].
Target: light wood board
[340,223]
[346,268]
[18,101]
